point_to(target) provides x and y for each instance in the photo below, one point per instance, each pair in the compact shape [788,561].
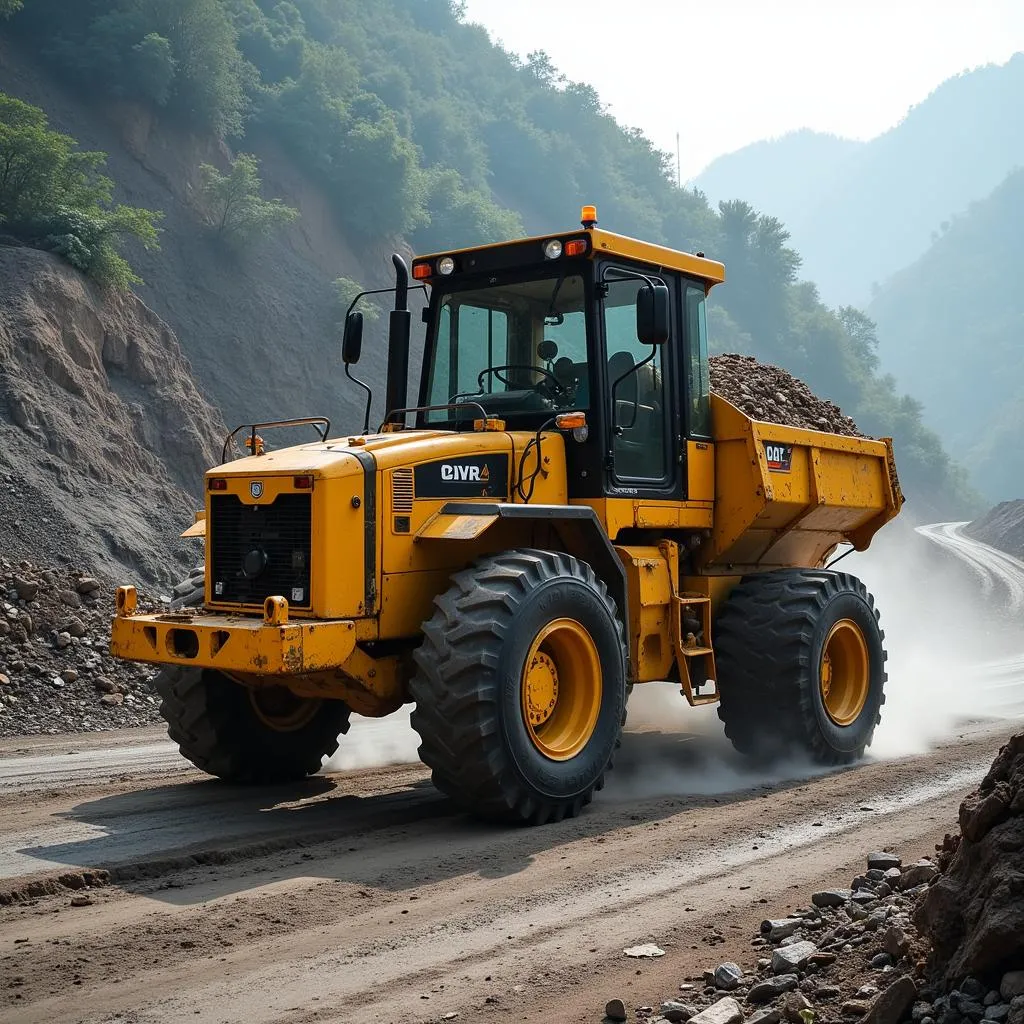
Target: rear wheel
[520,687]
[239,733]
[801,665]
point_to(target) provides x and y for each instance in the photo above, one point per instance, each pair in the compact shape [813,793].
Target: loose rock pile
[851,956]
[935,942]
[56,674]
[974,915]
[770,393]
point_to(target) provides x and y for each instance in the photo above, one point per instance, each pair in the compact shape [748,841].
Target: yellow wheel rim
[280,709]
[845,672]
[561,689]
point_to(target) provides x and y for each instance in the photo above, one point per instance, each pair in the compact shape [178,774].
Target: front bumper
[233,643]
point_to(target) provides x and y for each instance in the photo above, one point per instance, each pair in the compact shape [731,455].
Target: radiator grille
[401,492]
[258,551]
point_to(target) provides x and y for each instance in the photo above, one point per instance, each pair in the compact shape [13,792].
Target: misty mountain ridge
[952,327]
[782,175]
[859,212]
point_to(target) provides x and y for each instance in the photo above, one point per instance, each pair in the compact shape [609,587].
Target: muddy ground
[134,889]
[362,896]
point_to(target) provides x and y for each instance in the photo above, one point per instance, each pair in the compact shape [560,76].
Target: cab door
[644,451]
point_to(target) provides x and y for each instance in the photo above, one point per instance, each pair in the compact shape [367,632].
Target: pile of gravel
[774,395]
[56,675]
[852,955]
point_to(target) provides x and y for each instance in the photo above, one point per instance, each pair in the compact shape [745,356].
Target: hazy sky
[723,73]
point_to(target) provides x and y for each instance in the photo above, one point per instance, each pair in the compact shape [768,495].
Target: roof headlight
[446,265]
[553,249]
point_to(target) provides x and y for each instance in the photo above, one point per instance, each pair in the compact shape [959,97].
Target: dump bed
[785,496]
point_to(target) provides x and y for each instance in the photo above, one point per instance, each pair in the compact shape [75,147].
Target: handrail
[315,421]
[431,408]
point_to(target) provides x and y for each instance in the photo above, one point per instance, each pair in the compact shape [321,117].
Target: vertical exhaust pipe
[399,329]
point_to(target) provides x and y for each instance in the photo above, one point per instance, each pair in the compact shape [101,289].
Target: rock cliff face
[974,914]
[103,431]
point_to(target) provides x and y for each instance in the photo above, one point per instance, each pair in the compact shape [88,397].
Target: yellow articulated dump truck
[563,512]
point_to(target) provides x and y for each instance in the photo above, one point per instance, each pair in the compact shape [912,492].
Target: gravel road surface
[362,896]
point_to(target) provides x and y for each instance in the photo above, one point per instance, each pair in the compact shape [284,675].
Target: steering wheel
[555,383]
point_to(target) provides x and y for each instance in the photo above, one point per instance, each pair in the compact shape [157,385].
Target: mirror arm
[369,396]
[381,291]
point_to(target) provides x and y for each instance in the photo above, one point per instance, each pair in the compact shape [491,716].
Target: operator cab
[582,321]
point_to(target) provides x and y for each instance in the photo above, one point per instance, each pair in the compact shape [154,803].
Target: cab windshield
[515,349]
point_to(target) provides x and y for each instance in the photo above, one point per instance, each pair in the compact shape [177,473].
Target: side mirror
[352,339]
[652,315]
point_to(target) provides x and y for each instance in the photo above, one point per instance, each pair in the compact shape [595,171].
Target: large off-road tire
[245,735]
[801,665]
[189,592]
[249,735]
[520,687]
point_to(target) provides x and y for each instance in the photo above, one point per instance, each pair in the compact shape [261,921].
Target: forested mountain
[875,212]
[385,121]
[785,177]
[953,328]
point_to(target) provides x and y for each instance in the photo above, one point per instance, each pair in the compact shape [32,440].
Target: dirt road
[362,896]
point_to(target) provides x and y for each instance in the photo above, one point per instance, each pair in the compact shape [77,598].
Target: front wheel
[801,665]
[520,687]
[247,735]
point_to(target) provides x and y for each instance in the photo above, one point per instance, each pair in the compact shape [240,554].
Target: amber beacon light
[588,216]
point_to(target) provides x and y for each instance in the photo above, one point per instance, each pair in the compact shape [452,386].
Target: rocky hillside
[1002,527]
[56,672]
[103,431]
[259,326]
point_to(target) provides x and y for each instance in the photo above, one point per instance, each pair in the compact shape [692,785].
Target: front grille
[260,551]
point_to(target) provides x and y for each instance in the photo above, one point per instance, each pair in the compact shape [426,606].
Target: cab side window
[698,380]
[638,400]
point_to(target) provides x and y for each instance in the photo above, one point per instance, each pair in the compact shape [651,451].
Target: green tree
[41,169]
[234,207]
[345,291]
[179,53]
[9,7]
[54,197]
[460,216]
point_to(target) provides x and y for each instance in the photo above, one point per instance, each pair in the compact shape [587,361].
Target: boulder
[894,1004]
[728,976]
[832,897]
[1012,985]
[786,959]
[765,991]
[725,1011]
[677,1012]
[883,861]
[615,1010]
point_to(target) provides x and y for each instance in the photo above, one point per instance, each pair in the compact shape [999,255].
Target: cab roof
[605,243]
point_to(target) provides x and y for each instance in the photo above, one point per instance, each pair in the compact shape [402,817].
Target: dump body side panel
[786,497]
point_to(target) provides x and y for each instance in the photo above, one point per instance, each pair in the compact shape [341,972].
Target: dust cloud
[373,742]
[955,654]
